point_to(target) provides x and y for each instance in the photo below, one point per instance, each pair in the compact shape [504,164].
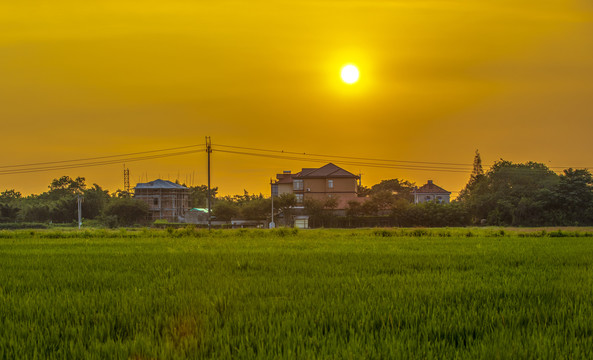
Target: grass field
[445,293]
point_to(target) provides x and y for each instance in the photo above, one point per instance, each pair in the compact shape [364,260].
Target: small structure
[197,216]
[301,221]
[166,200]
[431,192]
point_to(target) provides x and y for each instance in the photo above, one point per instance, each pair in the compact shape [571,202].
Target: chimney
[286,172]
[429,182]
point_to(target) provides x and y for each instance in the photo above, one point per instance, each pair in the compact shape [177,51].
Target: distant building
[431,192]
[197,216]
[328,181]
[166,200]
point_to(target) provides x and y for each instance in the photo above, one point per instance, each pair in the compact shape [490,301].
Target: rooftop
[159,184]
[431,188]
[329,170]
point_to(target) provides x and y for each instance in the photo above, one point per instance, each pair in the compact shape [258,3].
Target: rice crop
[243,294]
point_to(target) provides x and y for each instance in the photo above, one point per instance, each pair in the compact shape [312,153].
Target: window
[330,184]
[299,198]
[427,198]
[297,184]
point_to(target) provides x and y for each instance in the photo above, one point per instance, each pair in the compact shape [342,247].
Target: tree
[363,191]
[36,212]
[10,195]
[285,201]
[225,210]
[65,186]
[574,197]
[198,196]
[9,205]
[476,175]
[121,194]
[256,209]
[513,194]
[383,200]
[320,210]
[399,189]
[125,212]
[354,208]
[8,212]
[95,199]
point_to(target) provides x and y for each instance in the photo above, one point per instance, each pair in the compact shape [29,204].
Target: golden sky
[438,79]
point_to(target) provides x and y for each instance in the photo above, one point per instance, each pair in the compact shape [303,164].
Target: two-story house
[328,181]
[431,192]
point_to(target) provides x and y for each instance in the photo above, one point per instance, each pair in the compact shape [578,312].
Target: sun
[349,74]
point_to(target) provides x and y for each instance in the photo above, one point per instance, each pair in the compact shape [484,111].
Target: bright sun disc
[349,74]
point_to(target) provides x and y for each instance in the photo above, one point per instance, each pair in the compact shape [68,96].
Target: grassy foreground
[282,294]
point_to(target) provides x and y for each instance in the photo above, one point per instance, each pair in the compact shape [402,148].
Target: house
[328,181]
[431,192]
[166,200]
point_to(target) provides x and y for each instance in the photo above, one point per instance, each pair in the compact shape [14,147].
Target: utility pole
[79,201]
[209,151]
[272,224]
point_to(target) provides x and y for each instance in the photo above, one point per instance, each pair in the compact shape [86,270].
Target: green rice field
[343,294]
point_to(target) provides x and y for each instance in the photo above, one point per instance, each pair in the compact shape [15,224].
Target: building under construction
[166,200]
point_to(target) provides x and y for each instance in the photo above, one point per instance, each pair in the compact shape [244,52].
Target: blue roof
[159,184]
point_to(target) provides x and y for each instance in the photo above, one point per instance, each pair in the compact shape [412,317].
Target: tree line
[508,194]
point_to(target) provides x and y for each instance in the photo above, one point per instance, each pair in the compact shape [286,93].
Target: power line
[370,164]
[99,157]
[343,157]
[378,159]
[95,163]
[366,164]
[257,152]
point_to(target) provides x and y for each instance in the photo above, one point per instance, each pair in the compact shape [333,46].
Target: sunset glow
[100,78]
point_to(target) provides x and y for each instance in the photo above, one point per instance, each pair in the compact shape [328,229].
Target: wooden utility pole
[209,151]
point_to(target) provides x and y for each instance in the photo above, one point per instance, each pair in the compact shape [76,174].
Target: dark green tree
[284,203]
[513,194]
[198,196]
[399,189]
[256,209]
[225,210]
[125,212]
[574,198]
[65,186]
[94,201]
[476,175]
[320,210]
[10,205]
[8,212]
[10,195]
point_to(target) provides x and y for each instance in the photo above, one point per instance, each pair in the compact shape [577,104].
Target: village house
[328,181]
[431,192]
[166,200]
